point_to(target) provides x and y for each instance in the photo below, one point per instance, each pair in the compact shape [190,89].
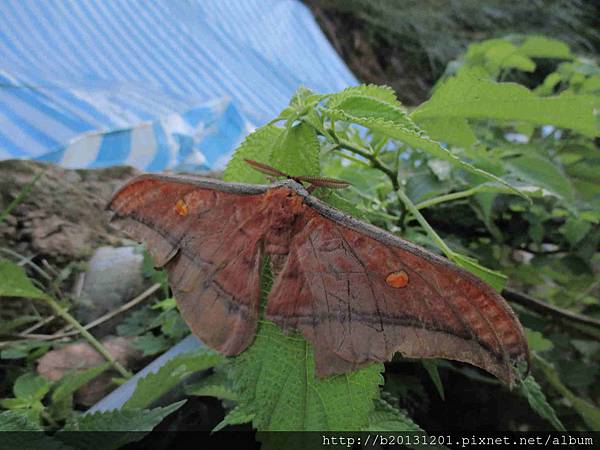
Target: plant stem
[447,198]
[66,333]
[405,202]
[376,163]
[48,418]
[20,196]
[545,308]
[430,231]
[352,158]
[91,339]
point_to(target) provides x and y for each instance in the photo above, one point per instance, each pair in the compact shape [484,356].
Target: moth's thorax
[286,215]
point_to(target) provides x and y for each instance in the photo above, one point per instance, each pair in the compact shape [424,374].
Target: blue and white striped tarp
[162,84]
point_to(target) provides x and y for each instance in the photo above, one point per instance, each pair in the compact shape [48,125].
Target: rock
[79,356]
[114,276]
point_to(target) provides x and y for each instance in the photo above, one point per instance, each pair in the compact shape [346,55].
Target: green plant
[456,164]
[39,404]
[501,179]
[408,43]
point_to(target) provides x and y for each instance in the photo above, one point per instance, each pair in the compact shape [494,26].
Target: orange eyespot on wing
[181,207]
[397,279]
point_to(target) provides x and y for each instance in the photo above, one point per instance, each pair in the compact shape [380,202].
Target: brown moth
[356,292]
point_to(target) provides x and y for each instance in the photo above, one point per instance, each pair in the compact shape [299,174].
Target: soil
[62,219]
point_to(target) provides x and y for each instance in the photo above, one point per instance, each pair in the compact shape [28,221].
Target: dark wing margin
[208,236]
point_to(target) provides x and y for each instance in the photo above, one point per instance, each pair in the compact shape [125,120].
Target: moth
[357,293]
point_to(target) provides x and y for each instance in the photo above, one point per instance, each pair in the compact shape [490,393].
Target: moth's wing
[336,273]
[210,242]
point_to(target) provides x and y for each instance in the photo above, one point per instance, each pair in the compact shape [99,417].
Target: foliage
[153,385]
[159,326]
[38,401]
[400,40]
[453,164]
[119,427]
[500,178]
[14,282]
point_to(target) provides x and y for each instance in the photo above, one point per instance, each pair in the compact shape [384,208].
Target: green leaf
[547,87]
[122,420]
[537,400]
[537,342]
[21,403]
[367,107]
[17,421]
[304,97]
[383,94]
[415,138]
[588,412]
[172,325]
[237,416]
[432,369]
[578,374]
[29,390]
[15,283]
[586,348]
[257,146]
[575,230]
[215,385]
[62,395]
[150,344]
[154,385]
[31,387]
[453,130]
[473,98]
[297,151]
[125,426]
[18,431]
[7,326]
[166,304]
[219,391]
[387,418]
[591,85]
[496,54]
[543,47]
[540,171]
[275,380]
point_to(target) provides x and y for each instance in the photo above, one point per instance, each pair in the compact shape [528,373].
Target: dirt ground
[62,219]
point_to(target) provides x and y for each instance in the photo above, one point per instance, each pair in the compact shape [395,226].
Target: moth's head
[286,203]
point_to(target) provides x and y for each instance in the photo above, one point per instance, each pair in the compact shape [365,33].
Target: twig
[48,337]
[545,308]
[376,163]
[78,286]
[41,323]
[24,260]
[47,265]
[62,312]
